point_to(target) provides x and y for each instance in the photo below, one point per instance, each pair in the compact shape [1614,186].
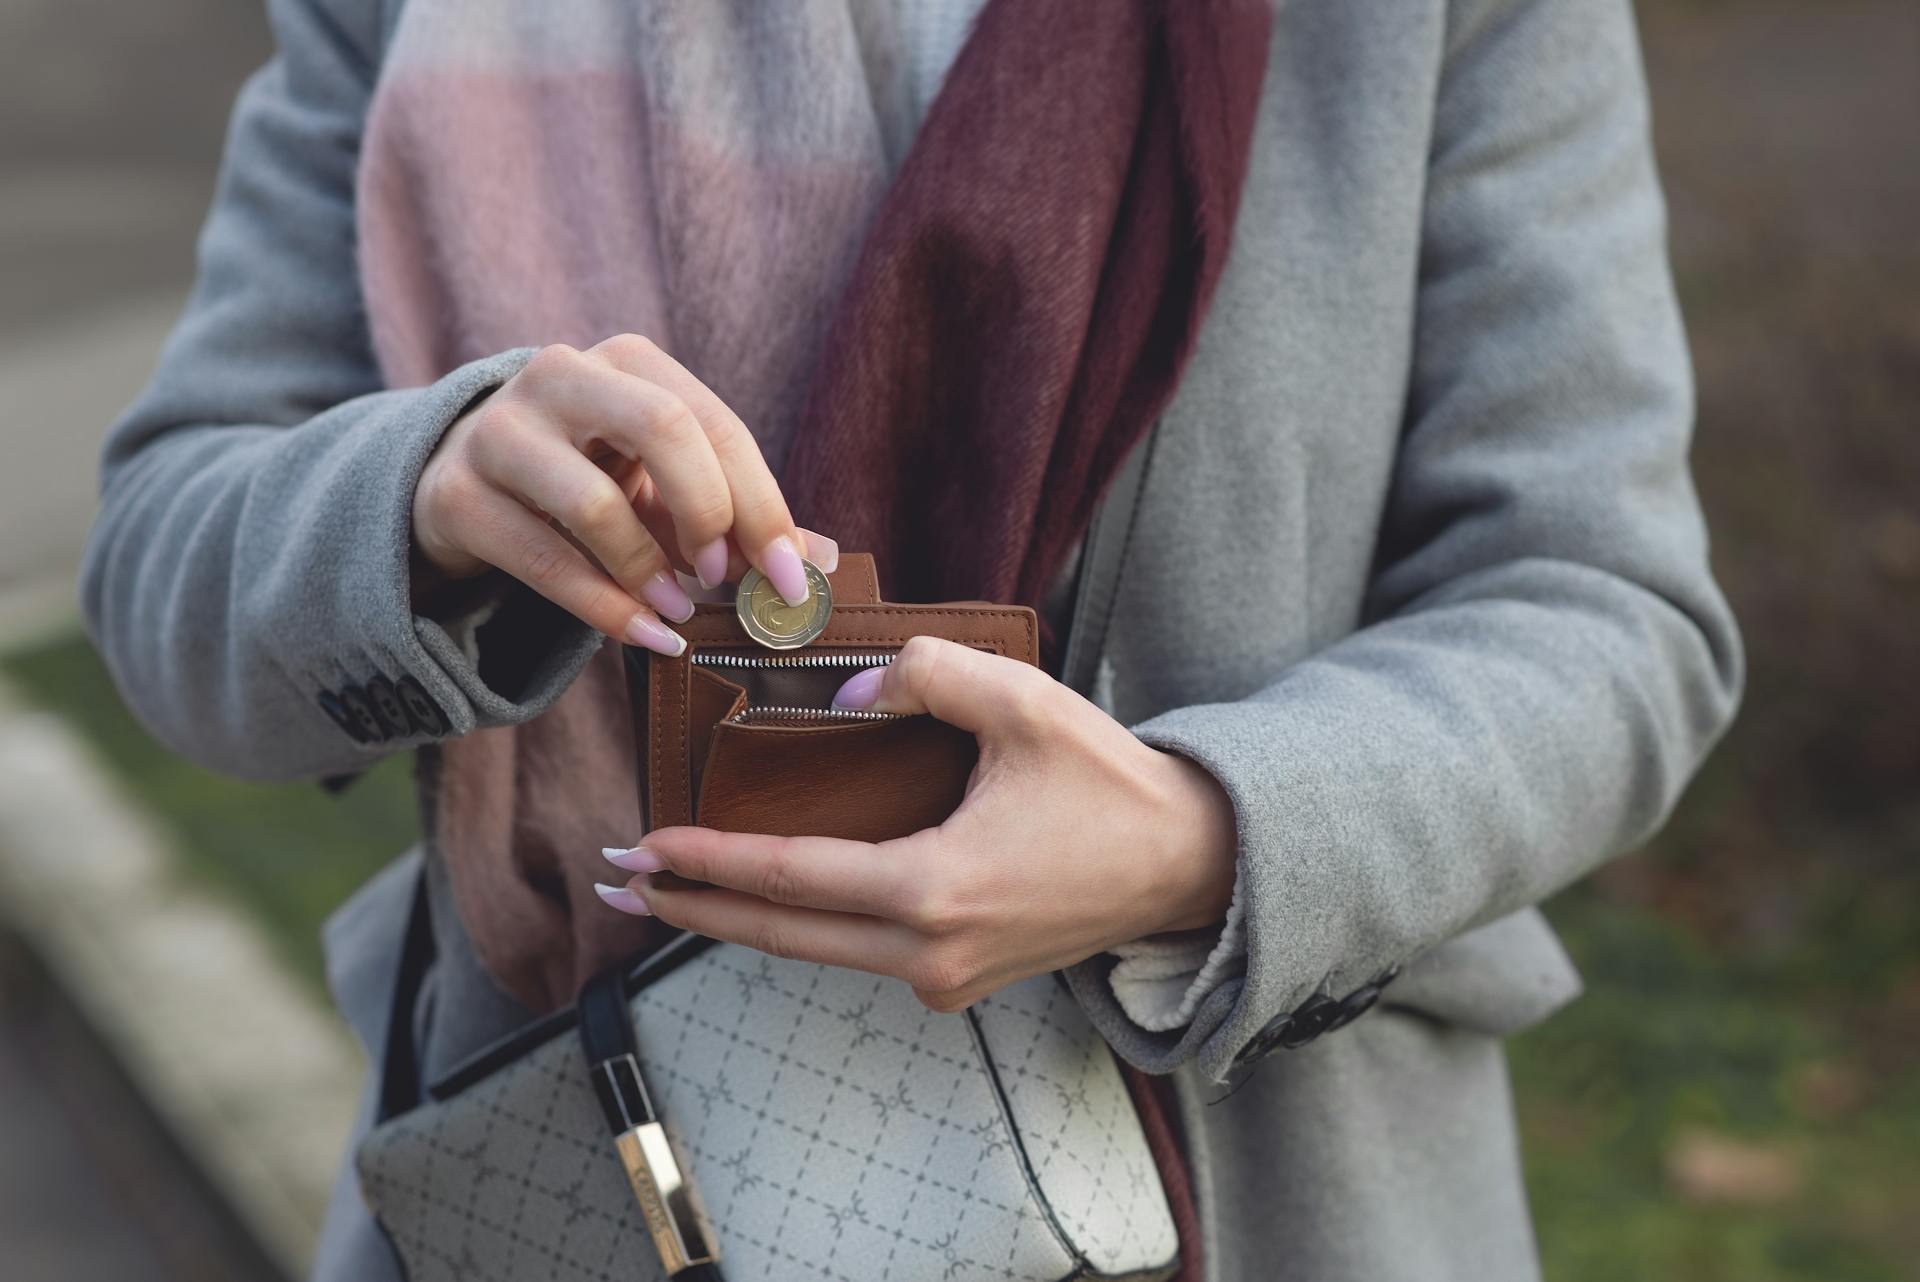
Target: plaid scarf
[946,363]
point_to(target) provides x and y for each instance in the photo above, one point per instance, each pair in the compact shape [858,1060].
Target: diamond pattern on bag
[835,1128]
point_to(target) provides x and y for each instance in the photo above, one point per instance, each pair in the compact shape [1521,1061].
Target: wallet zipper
[785,712]
[824,659]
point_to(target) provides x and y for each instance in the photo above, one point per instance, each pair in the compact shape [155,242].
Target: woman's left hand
[1073,836]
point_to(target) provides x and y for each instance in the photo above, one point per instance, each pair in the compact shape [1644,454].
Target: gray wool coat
[1415,568]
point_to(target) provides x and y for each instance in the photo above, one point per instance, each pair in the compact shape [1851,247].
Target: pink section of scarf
[648,168]
[500,210]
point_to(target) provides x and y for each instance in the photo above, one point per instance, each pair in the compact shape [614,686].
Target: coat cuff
[428,683]
[1216,1014]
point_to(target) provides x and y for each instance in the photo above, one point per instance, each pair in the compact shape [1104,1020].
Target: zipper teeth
[778,712]
[821,660]
[786,712]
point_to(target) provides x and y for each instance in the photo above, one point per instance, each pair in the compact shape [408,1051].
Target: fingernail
[710,564]
[637,860]
[664,593]
[650,634]
[785,570]
[822,551]
[860,690]
[623,898]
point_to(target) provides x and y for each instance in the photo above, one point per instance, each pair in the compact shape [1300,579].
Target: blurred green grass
[1798,1046]
[290,852]
[1778,1054]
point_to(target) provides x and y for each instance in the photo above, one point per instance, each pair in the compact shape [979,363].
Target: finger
[600,404]
[557,479]
[821,550]
[652,510]
[957,684]
[815,546]
[801,934]
[507,535]
[801,872]
[762,525]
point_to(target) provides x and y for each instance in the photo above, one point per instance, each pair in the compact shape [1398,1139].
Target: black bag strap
[1103,551]
[400,1067]
[606,1025]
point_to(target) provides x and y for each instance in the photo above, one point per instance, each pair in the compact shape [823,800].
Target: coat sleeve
[1546,657]
[246,578]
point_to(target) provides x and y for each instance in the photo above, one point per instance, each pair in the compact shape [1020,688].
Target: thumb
[959,685]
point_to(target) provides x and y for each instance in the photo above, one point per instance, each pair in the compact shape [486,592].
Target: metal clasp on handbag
[665,1194]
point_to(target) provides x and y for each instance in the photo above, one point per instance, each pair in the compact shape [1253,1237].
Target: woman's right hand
[589,476]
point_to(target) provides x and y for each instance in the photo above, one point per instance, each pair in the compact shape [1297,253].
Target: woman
[1400,618]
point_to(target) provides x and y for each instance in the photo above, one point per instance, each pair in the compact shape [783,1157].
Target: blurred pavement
[114,118]
[90,1187]
[241,1084]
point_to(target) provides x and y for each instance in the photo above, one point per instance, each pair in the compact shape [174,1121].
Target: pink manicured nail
[664,593]
[622,898]
[784,569]
[651,634]
[861,689]
[637,860]
[710,564]
[822,551]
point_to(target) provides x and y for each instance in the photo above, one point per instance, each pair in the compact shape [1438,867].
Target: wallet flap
[711,699]
[855,581]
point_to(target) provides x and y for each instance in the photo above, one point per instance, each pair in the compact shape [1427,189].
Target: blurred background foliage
[1737,1098]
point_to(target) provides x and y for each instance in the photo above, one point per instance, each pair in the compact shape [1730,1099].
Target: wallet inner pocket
[856,780]
[792,688]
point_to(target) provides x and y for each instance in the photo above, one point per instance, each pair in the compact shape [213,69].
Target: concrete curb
[255,1076]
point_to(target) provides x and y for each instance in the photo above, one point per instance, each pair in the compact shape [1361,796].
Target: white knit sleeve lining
[1161,980]
[464,627]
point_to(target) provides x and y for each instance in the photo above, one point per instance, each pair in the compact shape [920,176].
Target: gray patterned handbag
[833,1127]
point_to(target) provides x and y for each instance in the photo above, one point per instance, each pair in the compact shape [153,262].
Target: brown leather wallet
[742,738]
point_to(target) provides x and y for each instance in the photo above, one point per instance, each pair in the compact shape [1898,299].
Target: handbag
[712,1108]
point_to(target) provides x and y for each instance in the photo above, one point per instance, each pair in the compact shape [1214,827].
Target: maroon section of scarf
[1153,1098]
[1023,308]
[1031,289]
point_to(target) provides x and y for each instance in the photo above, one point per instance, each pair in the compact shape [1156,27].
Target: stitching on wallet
[655,676]
[666,706]
[970,642]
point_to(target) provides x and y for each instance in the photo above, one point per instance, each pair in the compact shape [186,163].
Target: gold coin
[769,620]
